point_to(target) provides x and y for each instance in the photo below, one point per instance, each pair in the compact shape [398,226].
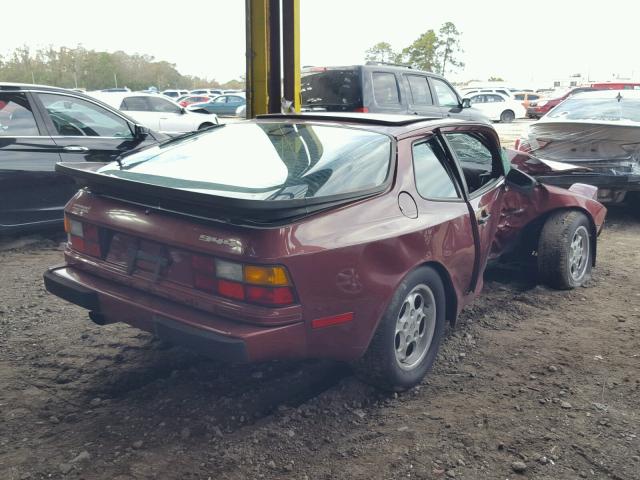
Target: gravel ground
[533,383]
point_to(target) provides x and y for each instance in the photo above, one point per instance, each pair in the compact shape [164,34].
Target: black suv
[40,126]
[383,88]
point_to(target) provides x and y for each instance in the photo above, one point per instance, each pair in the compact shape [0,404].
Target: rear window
[599,109]
[331,88]
[265,161]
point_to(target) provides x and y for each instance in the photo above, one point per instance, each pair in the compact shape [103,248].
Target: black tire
[556,266]
[380,366]
[205,125]
[632,200]
[507,116]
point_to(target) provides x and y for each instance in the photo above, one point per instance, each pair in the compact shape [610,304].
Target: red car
[539,108]
[354,238]
[190,100]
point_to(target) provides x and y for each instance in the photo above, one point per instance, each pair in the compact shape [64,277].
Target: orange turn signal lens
[67,224]
[265,275]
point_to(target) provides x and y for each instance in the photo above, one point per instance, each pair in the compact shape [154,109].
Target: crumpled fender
[534,166]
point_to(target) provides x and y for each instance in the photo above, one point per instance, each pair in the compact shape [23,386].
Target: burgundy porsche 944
[354,238]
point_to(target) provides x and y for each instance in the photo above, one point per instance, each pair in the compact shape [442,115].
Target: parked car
[173,94]
[539,108]
[187,100]
[223,105]
[598,131]
[497,107]
[526,97]
[465,92]
[348,237]
[158,113]
[382,88]
[40,126]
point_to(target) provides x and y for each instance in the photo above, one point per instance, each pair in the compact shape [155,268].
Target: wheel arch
[451,297]
[532,231]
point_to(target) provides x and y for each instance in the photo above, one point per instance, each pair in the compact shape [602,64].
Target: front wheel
[565,250]
[408,337]
[507,116]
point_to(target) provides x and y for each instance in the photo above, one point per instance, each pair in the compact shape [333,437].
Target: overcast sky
[522,41]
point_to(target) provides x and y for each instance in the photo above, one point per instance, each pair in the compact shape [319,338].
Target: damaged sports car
[354,238]
[598,134]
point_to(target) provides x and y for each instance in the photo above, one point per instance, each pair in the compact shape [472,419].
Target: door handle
[75,148]
[483,216]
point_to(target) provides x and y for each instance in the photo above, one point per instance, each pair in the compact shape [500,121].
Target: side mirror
[466,103]
[520,181]
[140,131]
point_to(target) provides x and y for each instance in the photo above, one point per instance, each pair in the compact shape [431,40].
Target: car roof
[373,65]
[607,94]
[33,86]
[115,98]
[396,125]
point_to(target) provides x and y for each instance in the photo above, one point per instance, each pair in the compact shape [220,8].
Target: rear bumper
[206,333]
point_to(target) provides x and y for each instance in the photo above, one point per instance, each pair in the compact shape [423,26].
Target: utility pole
[115,78]
[33,78]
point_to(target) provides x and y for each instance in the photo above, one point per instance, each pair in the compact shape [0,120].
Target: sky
[524,42]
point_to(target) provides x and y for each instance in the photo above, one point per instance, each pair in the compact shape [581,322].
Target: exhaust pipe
[98,318]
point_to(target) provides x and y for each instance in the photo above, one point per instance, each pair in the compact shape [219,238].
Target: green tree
[422,53]
[382,52]
[449,48]
[495,79]
[93,70]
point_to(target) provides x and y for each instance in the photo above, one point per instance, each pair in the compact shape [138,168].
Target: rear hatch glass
[331,90]
[265,161]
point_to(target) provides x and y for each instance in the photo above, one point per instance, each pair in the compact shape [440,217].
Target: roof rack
[390,64]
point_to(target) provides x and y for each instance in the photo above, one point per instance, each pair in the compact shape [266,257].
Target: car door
[233,102]
[419,96]
[172,117]
[448,101]
[31,193]
[442,208]
[138,108]
[85,130]
[476,153]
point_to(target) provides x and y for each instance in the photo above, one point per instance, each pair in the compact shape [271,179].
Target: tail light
[83,237]
[361,110]
[263,285]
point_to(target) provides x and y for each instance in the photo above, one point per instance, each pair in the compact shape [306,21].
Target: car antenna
[619,97]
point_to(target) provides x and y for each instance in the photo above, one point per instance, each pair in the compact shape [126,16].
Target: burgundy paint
[348,259]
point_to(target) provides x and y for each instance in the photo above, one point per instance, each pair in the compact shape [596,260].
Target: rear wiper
[190,134]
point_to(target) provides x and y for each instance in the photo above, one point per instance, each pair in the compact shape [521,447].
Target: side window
[432,178]
[476,160]
[385,89]
[161,105]
[534,97]
[220,100]
[495,98]
[75,117]
[420,91]
[446,96]
[477,99]
[519,96]
[134,104]
[16,117]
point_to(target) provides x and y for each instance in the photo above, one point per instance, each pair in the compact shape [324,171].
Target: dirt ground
[533,383]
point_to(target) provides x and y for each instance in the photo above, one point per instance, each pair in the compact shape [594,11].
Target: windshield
[265,161]
[601,109]
[331,88]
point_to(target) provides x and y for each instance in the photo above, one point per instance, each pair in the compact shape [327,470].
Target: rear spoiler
[204,206]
